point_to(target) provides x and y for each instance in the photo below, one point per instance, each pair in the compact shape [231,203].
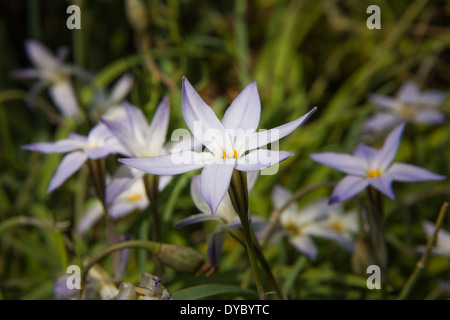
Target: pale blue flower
[230,144]
[300,226]
[99,143]
[54,74]
[409,105]
[371,167]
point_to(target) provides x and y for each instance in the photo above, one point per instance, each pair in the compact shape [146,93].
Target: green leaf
[209,290]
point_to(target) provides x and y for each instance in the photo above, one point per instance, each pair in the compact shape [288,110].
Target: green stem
[421,264]
[239,197]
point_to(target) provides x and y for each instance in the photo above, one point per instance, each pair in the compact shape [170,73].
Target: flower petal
[430,117]
[305,245]
[347,188]
[410,173]
[245,110]
[214,183]
[381,121]
[215,243]
[40,55]
[168,164]
[121,88]
[156,134]
[344,162]
[68,166]
[263,138]
[365,152]
[384,185]
[90,217]
[64,97]
[281,196]
[408,92]
[261,159]
[196,218]
[196,195]
[383,101]
[61,146]
[201,119]
[385,155]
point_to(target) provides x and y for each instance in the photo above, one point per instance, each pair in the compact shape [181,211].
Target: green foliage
[301,54]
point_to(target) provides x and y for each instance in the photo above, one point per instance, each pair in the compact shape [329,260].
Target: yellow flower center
[292,228]
[374,173]
[134,197]
[224,154]
[337,226]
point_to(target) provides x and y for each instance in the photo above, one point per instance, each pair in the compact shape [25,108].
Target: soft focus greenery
[301,54]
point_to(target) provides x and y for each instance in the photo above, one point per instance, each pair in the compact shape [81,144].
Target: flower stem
[420,266]
[239,197]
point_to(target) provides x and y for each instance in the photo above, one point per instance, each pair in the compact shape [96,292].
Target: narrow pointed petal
[319,230]
[29,73]
[40,55]
[121,88]
[281,196]
[91,216]
[305,245]
[408,92]
[245,111]
[381,121]
[344,162]
[215,243]
[384,185]
[169,164]
[263,138]
[348,187]
[61,146]
[64,97]
[215,180]
[158,128]
[121,208]
[410,173]
[386,155]
[68,166]
[432,98]
[137,122]
[123,134]
[62,53]
[260,159]
[196,218]
[200,118]
[430,117]
[365,152]
[383,101]
[196,195]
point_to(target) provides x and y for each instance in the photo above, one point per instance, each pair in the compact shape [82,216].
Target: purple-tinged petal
[381,121]
[122,208]
[410,173]
[158,128]
[408,92]
[137,122]
[100,152]
[365,152]
[90,217]
[281,196]
[245,110]
[62,53]
[305,245]
[383,101]
[386,154]
[201,119]
[40,55]
[347,188]
[214,183]
[124,135]
[430,117]
[322,231]
[64,97]
[344,162]
[121,88]
[432,98]
[263,138]
[260,159]
[68,166]
[215,243]
[168,164]
[196,218]
[196,195]
[25,74]
[61,146]
[384,185]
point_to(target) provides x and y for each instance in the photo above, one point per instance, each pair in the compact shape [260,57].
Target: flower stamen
[374,173]
[134,197]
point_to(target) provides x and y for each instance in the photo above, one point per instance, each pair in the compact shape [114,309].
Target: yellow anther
[134,197]
[374,173]
[235,153]
[337,226]
[224,154]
